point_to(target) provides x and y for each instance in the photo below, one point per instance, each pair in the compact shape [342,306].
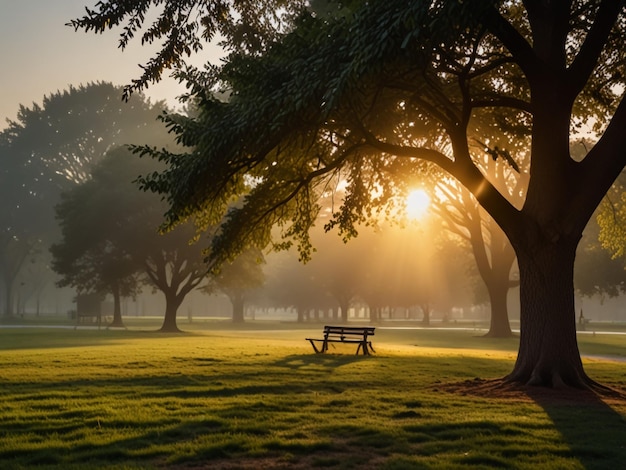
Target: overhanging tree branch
[521,51]
[587,58]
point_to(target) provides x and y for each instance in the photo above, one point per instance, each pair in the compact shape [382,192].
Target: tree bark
[548,352]
[8,290]
[494,270]
[238,311]
[499,326]
[117,309]
[172,302]
[426,314]
[344,306]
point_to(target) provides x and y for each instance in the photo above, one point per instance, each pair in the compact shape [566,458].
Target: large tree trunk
[548,352]
[172,302]
[499,326]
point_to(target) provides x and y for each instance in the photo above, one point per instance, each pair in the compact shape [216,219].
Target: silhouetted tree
[597,272]
[291,284]
[111,241]
[52,147]
[493,253]
[239,278]
[93,254]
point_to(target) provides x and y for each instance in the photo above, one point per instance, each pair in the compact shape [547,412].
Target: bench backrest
[351,331]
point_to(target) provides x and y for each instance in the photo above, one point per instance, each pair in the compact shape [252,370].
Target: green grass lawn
[223,398]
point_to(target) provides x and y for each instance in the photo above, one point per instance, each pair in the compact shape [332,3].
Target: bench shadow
[330,361]
[593,430]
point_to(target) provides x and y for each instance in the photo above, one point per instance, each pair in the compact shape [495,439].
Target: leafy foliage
[63,138]
[52,147]
[94,218]
[111,240]
[603,270]
[182,26]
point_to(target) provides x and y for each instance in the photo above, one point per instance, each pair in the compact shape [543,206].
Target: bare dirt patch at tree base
[503,390]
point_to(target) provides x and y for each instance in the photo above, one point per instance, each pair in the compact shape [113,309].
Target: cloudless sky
[40,55]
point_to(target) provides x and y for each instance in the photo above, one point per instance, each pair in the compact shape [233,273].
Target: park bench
[88,310]
[345,334]
[88,318]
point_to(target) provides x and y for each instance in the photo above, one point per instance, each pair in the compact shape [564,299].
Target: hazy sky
[40,55]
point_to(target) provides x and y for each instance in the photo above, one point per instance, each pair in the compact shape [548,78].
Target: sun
[417,203]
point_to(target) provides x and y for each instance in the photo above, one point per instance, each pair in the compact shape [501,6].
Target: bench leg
[317,351]
[365,346]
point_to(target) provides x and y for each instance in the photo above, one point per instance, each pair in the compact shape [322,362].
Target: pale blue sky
[41,55]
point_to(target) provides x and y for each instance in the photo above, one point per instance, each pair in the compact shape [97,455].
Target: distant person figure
[581,320]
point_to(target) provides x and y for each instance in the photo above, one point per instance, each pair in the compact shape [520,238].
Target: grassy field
[223,398]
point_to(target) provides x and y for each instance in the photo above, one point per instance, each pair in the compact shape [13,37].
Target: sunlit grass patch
[250,398]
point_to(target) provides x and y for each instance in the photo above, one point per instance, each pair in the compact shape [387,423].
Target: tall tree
[237,279]
[492,251]
[603,249]
[52,147]
[597,271]
[414,266]
[290,284]
[111,242]
[376,91]
[338,268]
[20,216]
[92,255]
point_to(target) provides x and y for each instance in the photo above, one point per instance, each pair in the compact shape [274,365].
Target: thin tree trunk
[344,306]
[426,311]
[117,309]
[8,290]
[548,352]
[374,315]
[238,311]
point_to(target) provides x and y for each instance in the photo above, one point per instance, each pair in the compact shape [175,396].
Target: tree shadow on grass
[592,428]
[587,420]
[51,338]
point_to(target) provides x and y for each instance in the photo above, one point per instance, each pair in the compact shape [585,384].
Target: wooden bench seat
[345,334]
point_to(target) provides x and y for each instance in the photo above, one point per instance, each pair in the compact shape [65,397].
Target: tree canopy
[111,243]
[53,146]
[379,93]
[238,279]
[181,27]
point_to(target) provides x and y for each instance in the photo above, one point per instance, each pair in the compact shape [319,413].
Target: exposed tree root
[556,376]
[504,388]
[491,334]
[169,329]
